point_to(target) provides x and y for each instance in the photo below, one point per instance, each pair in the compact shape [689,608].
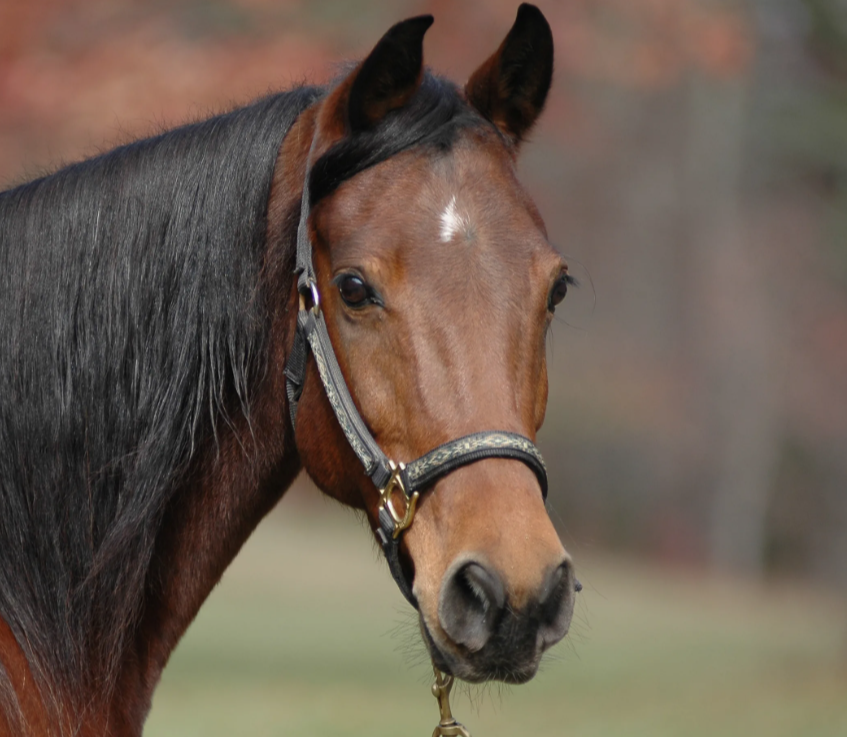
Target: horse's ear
[510,88]
[390,75]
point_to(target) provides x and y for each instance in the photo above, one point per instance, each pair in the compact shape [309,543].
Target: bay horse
[334,279]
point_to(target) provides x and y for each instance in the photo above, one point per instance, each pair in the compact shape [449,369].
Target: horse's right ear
[390,75]
[510,88]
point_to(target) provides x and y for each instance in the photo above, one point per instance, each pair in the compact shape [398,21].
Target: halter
[399,484]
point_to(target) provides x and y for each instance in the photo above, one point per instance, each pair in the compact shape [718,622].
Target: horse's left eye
[354,291]
[558,292]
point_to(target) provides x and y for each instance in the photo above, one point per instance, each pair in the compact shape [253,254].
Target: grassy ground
[307,635]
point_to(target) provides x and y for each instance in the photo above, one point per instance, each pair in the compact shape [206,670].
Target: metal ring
[316,298]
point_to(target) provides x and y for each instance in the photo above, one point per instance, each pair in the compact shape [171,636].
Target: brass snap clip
[386,499]
[448,726]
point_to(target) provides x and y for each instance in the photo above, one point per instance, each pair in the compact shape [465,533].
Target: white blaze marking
[452,222]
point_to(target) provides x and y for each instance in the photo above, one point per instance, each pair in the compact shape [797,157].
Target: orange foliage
[75,73]
[650,43]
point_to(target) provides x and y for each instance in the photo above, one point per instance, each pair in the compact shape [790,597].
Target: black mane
[128,313]
[132,320]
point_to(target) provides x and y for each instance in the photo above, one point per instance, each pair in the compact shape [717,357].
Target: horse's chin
[462,665]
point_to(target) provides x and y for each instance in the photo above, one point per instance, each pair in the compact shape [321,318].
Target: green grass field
[307,635]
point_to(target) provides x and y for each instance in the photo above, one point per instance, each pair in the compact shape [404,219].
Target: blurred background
[692,166]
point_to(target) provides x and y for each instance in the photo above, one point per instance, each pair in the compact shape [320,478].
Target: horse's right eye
[559,290]
[354,291]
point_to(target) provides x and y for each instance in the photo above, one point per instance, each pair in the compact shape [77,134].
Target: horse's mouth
[510,662]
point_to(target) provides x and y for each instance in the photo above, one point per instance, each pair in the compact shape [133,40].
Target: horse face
[437,282]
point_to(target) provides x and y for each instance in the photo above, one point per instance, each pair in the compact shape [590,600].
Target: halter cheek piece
[399,484]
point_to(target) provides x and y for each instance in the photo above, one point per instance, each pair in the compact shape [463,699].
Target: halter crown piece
[396,481]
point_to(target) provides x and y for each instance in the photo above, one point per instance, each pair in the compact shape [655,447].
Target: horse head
[437,284]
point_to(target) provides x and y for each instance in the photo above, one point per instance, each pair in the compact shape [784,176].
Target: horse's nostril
[470,605]
[553,583]
[556,602]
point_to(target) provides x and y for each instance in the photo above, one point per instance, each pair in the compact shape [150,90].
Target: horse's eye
[354,291]
[558,292]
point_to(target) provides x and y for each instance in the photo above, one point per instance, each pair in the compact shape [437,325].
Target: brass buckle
[386,499]
[448,726]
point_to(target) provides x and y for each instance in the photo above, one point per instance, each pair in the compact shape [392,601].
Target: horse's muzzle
[489,637]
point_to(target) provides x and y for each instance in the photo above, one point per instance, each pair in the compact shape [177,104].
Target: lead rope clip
[448,726]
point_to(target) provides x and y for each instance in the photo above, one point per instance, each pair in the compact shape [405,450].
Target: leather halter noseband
[395,481]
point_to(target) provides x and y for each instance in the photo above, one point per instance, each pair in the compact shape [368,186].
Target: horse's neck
[236,482]
[206,527]
[233,482]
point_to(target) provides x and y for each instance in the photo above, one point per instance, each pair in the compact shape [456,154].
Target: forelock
[433,118]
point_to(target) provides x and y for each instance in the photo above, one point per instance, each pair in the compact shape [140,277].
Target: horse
[345,279]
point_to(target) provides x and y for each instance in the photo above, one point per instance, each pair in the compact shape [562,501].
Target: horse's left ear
[510,88]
